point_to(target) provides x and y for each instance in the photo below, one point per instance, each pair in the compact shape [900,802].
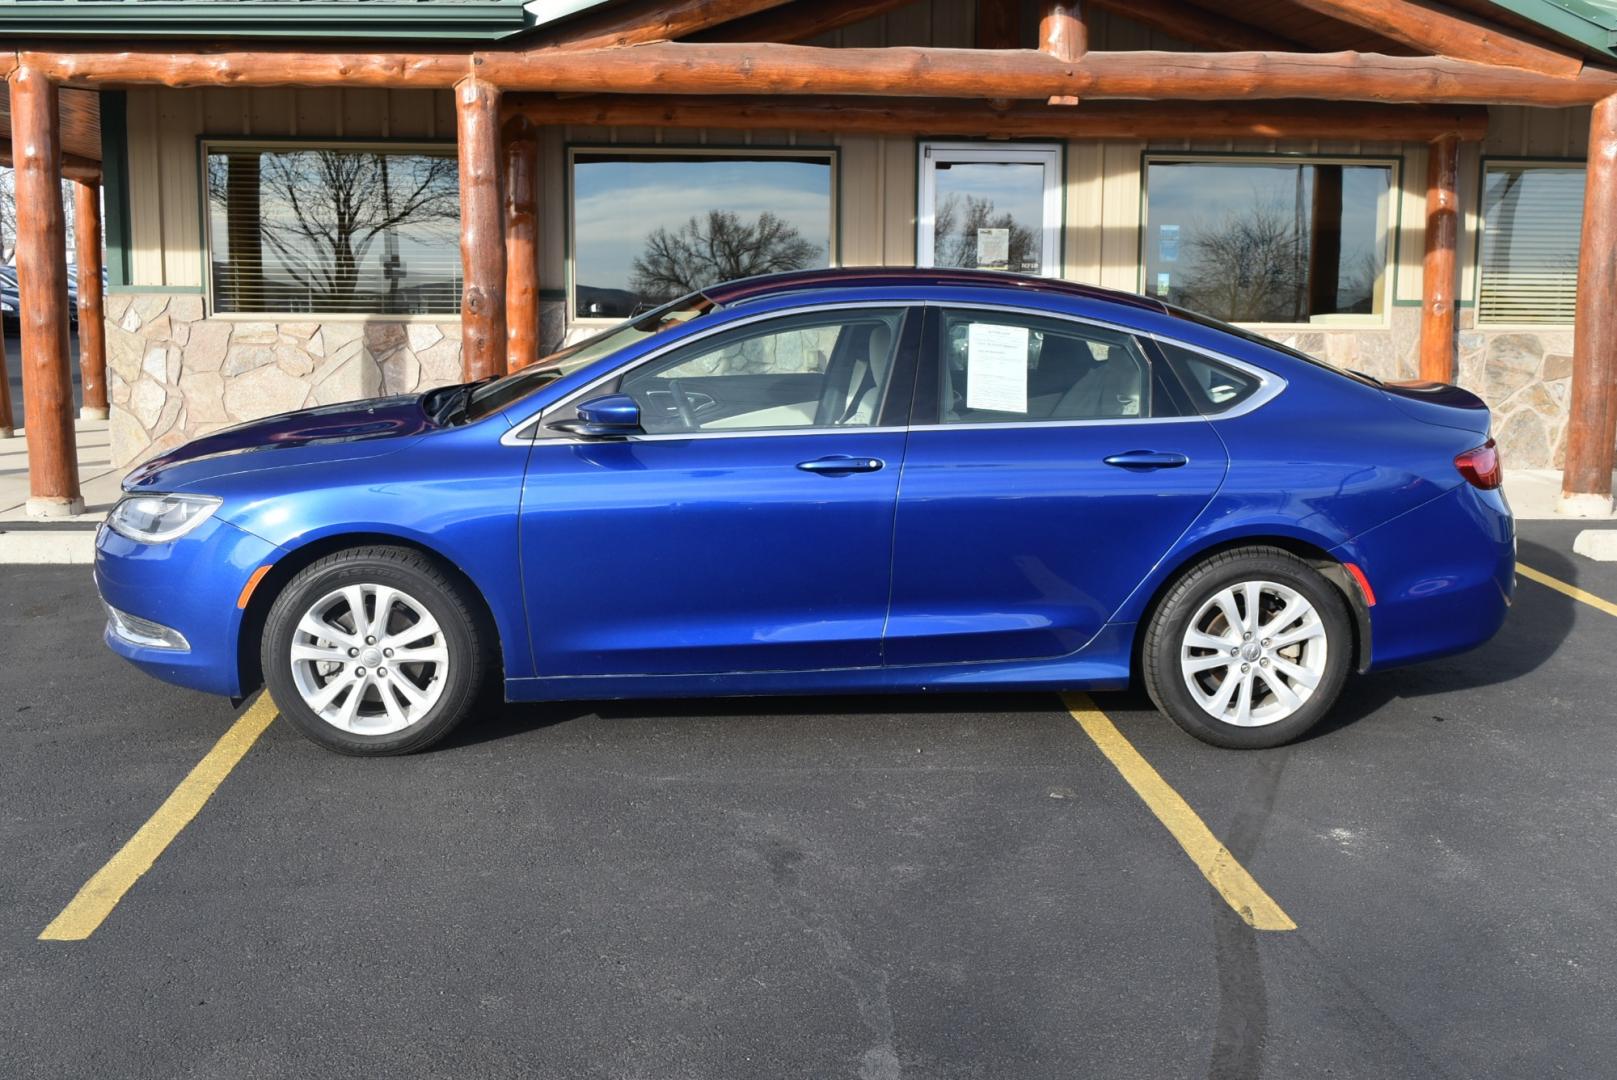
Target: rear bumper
[189,585]
[1443,576]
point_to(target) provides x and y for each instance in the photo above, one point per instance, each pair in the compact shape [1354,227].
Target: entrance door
[749,529]
[990,207]
[1047,484]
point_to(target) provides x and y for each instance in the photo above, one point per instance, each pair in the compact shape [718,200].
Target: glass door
[988,206]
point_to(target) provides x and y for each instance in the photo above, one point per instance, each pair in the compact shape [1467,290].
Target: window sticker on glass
[996,367]
[993,249]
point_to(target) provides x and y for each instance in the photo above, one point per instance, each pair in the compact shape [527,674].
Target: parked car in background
[829,481]
[10,302]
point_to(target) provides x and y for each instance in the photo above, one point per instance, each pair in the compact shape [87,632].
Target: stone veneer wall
[173,375]
[1524,374]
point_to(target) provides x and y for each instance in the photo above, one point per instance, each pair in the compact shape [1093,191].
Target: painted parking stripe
[1221,869]
[102,892]
[1565,589]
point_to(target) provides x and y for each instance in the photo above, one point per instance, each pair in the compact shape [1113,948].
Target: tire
[1188,660]
[402,705]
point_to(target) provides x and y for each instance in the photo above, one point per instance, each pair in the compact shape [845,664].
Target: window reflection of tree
[318,214]
[956,222]
[719,247]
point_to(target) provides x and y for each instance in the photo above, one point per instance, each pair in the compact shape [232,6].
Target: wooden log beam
[799,20]
[47,383]
[1442,31]
[1592,419]
[716,68]
[1063,35]
[1098,120]
[999,24]
[521,243]
[74,167]
[1196,26]
[92,330]
[642,21]
[1438,308]
[482,225]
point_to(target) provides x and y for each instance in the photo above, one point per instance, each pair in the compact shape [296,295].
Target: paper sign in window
[996,368]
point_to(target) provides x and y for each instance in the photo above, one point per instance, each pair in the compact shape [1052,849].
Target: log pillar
[1438,309]
[92,330]
[36,154]
[1592,419]
[521,243]
[1064,35]
[482,228]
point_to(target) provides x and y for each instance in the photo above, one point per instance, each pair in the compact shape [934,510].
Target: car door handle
[1147,459]
[841,463]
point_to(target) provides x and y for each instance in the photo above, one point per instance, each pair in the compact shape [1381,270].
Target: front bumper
[190,585]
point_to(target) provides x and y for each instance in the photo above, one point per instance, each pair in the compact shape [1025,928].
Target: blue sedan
[833,481]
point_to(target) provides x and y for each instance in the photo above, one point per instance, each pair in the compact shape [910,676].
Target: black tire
[414,574]
[1164,677]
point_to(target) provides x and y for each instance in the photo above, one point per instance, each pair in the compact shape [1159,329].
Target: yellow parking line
[1212,858]
[1569,590]
[102,892]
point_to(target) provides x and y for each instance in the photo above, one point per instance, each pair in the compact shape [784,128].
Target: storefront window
[1532,218]
[650,226]
[334,229]
[1268,241]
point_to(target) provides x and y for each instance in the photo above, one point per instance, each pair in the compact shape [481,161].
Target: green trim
[115,187]
[1588,22]
[652,150]
[141,290]
[1395,226]
[550,296]
[385,20]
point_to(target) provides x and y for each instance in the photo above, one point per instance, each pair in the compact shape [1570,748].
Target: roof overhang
[372,20]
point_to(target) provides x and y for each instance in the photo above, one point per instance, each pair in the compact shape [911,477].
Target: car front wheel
[1249,649]
[372,651]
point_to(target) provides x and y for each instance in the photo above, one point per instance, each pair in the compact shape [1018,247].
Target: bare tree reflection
[302,225]
[1250,266]
[957,222]
[719,247]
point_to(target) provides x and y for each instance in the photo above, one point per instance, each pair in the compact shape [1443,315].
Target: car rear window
[1213,387]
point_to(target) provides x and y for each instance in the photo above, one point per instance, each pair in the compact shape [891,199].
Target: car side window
[818,369]
[1213,387]
[999,367]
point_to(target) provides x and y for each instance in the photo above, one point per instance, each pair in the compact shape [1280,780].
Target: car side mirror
[604,417]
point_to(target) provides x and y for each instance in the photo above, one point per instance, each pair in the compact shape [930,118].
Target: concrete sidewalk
[58,540]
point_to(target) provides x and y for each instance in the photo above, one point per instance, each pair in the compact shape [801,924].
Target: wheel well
[248,665]
[1317,557]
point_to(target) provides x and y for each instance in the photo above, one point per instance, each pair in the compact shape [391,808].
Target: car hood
[354,429]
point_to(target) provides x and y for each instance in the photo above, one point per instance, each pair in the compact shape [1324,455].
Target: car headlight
[157,519]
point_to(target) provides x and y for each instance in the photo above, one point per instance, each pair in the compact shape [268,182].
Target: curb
[51,547]
[1597,544]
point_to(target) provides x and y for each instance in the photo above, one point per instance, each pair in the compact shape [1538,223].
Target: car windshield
[493,396]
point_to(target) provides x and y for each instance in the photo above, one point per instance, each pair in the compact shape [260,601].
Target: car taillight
[1481,467]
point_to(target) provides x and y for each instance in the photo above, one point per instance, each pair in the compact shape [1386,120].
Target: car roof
[795,281]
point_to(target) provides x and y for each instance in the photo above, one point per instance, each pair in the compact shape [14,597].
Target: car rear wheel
[373,651]
[1249,649]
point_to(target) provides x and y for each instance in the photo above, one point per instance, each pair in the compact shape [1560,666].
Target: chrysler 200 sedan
[833,481]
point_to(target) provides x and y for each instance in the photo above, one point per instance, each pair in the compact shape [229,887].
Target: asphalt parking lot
[871,888]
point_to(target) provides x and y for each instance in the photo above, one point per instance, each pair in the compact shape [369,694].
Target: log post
[1437,325]
[1064,35]
[521,243]
[92,331]
[482,224]
[1592,419]
[36,152]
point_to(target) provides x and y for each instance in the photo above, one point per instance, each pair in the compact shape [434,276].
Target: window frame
[1563,164]
[273,143]
[1051,155]
[929,374]
[1388,284]
[737,152]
